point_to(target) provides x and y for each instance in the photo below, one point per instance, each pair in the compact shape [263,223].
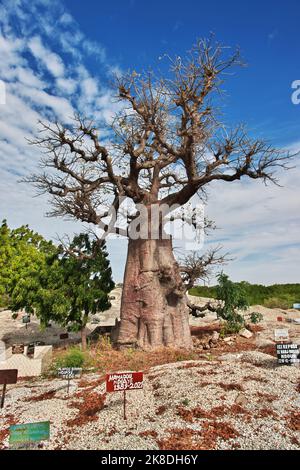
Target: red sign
[124,381]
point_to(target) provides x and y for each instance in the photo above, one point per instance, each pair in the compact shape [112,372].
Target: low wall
[28,366]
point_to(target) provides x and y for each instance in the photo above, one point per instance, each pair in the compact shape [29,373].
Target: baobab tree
[165,145]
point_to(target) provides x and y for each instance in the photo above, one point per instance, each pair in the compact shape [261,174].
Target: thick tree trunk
[154,309]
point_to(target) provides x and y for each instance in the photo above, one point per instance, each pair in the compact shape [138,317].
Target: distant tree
[166,144]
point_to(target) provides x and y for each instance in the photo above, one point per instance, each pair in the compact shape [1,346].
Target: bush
[256,317]
[74,358]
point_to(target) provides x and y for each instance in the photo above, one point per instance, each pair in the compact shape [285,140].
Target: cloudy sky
[58,57]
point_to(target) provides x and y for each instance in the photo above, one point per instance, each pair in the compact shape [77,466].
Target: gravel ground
[240,401]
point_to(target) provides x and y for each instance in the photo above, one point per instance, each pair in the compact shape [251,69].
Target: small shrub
[256,317]
[186,402]
[74,358]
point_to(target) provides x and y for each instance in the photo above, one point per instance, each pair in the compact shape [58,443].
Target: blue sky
[59,56]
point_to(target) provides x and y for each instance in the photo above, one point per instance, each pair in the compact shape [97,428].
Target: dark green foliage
[256,317]
[274,296]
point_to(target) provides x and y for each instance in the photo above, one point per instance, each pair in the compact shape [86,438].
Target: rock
[245,333]
[215,337]
[230,357]
[228,339]
[241,400]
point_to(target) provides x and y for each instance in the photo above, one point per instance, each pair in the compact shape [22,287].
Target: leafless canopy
[165,145]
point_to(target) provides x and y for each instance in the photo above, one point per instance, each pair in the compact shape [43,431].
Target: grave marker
[21,435]
[123,381]
[69,373]
[288,353]
[281,334]
[7,376]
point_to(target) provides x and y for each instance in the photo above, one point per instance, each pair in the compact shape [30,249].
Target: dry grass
[104,358]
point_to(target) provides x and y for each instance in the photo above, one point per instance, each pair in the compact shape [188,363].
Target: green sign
[31,432]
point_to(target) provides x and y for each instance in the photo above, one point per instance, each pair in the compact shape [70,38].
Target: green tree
[75,285]
[64,284]
[23,254]
[233,299]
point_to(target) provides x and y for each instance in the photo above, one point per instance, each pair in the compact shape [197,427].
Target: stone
[215,337]
[244,333]
[230,357]
[241,400]
[228,339]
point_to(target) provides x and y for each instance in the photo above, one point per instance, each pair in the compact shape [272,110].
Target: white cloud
[49,59]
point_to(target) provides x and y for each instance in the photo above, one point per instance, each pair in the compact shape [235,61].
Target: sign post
[7,376]
[123,381]
[125,417]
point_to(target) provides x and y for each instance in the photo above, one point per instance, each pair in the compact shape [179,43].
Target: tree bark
[83,339]
[83,332]
[154,309]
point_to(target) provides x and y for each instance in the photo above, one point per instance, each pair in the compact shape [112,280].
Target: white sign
[69,372]
[281,334]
